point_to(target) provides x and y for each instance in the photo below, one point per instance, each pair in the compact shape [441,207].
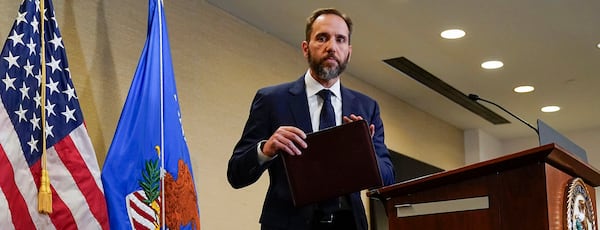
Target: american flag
[77,194]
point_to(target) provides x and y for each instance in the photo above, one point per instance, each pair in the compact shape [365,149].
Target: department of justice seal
[580,209]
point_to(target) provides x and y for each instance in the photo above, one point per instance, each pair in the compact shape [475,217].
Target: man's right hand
[285,139]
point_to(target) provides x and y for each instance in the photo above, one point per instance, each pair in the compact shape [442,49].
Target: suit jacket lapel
[299,105]
[348,104]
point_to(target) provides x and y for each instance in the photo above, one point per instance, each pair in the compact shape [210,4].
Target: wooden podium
[524,190]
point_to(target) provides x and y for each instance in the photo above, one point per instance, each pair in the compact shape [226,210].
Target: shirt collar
[313,86]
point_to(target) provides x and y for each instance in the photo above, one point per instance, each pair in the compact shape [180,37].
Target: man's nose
[331,46]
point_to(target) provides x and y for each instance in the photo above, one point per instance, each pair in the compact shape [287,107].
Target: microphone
[475,97]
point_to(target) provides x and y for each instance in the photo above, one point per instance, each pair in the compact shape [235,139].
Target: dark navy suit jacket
[286,105]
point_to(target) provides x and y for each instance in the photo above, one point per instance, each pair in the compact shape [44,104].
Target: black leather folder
[339,160]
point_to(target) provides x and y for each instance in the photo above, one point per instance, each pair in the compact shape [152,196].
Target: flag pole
[162,119]
[44,193]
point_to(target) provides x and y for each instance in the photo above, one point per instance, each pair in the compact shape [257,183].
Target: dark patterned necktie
[327,118]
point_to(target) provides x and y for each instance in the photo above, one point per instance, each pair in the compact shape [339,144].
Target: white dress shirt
[315,102]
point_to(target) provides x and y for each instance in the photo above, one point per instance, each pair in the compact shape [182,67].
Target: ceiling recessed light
[550,109]
[598,45]
[453,34]
[524,89]
[492,64]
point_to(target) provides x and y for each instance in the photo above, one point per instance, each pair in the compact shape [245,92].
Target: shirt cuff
[262,158]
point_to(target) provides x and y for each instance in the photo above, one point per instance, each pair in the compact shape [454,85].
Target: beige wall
[220,62]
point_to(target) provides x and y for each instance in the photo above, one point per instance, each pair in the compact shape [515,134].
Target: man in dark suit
[280,117]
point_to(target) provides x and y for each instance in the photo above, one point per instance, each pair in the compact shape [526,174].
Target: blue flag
[147,175]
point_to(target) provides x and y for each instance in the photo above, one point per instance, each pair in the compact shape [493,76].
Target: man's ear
[349,52]
[305,48]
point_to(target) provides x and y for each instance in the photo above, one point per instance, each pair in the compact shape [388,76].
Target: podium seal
[580,209]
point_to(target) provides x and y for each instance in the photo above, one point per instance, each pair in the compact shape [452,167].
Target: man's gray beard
[326,73]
